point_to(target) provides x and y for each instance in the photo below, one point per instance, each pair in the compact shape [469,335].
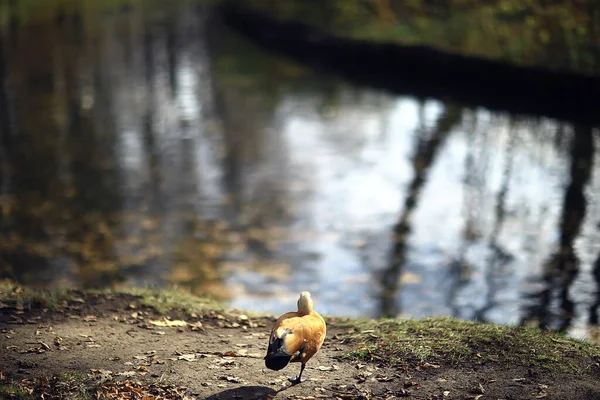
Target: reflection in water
[142,148]
[424,156]
[563,266]
[499,259]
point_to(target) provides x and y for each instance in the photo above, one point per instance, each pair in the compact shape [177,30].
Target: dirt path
[219,356]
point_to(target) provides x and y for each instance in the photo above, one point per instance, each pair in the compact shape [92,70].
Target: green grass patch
[174,298]
[25,297]
[14,391]
[162,300]
[454,341]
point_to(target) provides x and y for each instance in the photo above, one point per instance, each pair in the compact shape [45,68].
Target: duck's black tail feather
[276,358]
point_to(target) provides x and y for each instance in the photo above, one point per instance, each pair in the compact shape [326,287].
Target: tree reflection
[593,318]
[55,147]
[499,257]
[425,152]
[563,266]
[84,213]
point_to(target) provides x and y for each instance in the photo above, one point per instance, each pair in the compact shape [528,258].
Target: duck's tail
[276,357]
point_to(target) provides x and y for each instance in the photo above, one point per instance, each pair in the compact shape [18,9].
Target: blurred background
[144,143]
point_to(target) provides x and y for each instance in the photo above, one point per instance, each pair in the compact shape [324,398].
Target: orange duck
[296,337]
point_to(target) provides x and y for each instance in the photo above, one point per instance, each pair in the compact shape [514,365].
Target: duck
[296,336]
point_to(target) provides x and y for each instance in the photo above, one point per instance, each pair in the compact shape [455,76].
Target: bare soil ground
[112,346]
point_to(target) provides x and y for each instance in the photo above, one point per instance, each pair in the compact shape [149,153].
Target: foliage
[562,34]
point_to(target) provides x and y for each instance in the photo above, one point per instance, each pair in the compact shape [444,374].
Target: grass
[11,390]
[456,342]
[26,297]
[162,300]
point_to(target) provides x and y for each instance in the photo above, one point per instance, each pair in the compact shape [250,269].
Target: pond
[148,144]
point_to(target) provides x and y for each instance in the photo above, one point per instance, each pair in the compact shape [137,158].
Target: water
[149,146]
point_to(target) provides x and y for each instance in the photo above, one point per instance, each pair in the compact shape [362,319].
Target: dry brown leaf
[168,322]
[383,378]
[101,371]
[127,373]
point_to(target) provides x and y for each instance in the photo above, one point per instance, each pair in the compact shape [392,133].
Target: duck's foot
[296,380]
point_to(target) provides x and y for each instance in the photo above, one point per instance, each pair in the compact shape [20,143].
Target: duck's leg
[299,378]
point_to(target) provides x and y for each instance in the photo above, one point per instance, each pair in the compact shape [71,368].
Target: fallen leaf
[187,357]
[168,322]
[324,368]
[37,350]
[383,378]
[101,371]
[196,326]
[233,379]
[127,373]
